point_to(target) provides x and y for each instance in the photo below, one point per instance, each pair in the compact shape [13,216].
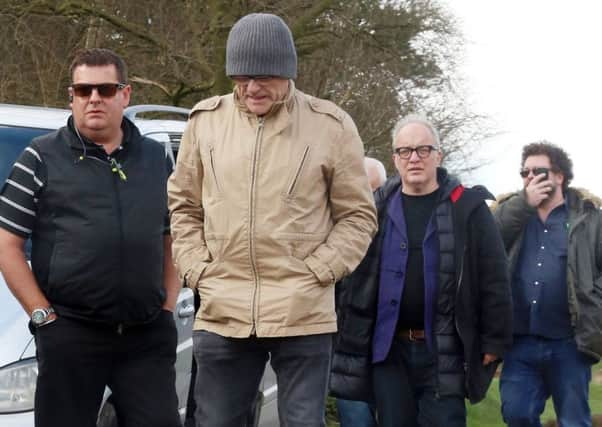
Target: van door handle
[186,311]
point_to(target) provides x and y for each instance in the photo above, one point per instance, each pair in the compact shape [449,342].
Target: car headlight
[18,386]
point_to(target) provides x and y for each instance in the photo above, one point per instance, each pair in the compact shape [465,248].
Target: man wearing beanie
[270,206]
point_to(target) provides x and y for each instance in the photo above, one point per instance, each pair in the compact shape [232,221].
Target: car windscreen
[13,140]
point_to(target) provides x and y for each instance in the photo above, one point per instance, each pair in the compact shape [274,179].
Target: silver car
[18,365]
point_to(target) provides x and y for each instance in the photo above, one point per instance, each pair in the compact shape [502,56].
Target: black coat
[481,311]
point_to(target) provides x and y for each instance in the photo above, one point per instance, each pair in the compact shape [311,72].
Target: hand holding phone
[539,171]
[539,187]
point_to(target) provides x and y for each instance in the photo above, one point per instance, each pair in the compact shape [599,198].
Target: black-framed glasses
[106,90]
[260,80]
[423,151]
[536,171]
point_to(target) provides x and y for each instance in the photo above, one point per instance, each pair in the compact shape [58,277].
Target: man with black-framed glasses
[102,285]
[426,316]
[553,235]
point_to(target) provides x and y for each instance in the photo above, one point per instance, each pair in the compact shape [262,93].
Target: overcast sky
[535,68]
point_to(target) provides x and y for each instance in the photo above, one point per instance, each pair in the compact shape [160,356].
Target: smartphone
[539,171]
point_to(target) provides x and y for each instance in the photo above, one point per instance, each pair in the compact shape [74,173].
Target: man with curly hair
[553,235]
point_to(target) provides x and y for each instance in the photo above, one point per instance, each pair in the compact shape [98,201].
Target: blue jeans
[353,413]
[405,389]
[229,372]
[537,368]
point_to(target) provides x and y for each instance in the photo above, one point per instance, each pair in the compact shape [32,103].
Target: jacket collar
[577,202]
[79,142]
[287,103]
[447,183]
[279,117]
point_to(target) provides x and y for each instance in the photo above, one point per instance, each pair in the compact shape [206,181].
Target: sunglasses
[106,90]
[536,171]
[260,80]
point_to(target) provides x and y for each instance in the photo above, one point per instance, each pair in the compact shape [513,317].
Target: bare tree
[376,59]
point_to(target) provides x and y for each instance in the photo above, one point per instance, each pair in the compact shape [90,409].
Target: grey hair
[375,170]
[420,119]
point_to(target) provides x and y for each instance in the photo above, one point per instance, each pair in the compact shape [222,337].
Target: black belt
[411,334]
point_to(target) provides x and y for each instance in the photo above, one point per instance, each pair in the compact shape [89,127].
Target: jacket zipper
[291,187]
[460,279]
[258,138]
[118,174]
[116,178]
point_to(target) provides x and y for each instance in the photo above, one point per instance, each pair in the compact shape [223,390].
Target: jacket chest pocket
[294,181]
[212,184]
[213,168]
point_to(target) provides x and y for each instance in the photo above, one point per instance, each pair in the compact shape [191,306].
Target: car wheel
[107,416]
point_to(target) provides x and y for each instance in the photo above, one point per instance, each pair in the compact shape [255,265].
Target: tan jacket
[267,213]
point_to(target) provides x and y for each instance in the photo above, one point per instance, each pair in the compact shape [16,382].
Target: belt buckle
[416,338]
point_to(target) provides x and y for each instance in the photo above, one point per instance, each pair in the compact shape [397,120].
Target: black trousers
[76,360]
[406,390]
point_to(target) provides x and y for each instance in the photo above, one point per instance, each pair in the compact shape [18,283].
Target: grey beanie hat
[261,44]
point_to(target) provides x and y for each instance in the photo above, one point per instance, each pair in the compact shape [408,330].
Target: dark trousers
[405,389]
[76,360]
[537,368]
[229,372]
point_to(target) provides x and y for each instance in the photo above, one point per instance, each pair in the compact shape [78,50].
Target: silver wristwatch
[40,316]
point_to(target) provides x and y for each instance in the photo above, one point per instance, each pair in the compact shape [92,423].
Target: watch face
[38,316]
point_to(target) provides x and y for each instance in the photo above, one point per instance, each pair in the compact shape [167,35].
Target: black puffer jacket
[97,249]
[473,313]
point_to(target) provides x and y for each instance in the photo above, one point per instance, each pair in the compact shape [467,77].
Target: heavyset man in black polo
[92,197]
